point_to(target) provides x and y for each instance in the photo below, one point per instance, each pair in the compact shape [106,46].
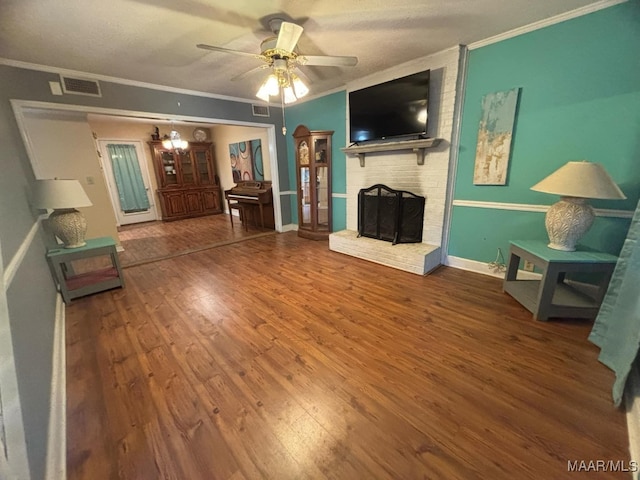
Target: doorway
[128,181]
[97,179]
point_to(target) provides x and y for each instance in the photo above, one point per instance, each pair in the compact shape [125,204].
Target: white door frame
[18,106]
[121,217]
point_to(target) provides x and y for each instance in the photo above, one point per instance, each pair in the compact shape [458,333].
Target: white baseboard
[484,269]
[290,227]
[57,436]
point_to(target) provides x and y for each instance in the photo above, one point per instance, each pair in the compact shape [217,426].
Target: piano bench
[242,208]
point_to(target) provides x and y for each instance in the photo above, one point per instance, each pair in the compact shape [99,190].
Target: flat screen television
[395,108]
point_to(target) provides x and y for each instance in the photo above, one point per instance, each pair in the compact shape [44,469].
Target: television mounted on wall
[394,109]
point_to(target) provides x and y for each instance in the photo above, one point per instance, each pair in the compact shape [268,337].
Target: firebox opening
[391,215]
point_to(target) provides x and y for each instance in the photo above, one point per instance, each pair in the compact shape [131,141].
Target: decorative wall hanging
[246,160]
[493,150]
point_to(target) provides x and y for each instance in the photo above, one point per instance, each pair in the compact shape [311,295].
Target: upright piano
[253,195]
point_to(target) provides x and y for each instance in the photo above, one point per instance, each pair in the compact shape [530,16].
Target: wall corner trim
[56,466]
[14,264]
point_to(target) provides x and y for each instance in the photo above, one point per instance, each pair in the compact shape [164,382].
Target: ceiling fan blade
[249,72]
[288,36]
[327,60]
[227,50]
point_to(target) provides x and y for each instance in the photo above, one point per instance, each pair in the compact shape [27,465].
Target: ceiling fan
[280,55]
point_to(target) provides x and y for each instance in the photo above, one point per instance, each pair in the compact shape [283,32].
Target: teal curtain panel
[126,170]
[616,329]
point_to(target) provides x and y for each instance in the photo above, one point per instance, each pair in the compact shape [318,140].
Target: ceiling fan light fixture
[280,65]
[272,85]
[262,94]
[298,86]
[280,54]
[289,96]
[269,88]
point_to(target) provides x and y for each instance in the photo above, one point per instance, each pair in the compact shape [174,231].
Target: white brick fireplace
[400,170]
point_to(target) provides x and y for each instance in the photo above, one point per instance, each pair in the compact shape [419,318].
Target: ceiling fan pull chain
[284,125]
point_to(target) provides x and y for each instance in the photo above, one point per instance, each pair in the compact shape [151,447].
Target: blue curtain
[617,327]
[126,170]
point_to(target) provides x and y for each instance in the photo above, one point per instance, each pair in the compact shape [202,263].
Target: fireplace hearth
[394,216]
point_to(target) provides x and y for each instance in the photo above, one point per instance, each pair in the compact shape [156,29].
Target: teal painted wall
[325,113]
[580,100]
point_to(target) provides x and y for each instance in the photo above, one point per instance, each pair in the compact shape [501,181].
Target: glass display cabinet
[313,166]
[187,182]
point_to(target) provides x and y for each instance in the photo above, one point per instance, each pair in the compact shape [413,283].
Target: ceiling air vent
[80,86]
[260,110]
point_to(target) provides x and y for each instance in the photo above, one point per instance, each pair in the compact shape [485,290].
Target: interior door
[128,181]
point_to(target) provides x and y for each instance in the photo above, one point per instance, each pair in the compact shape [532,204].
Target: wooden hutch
[188,185]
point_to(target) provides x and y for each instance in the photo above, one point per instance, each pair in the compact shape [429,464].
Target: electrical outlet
[528,266]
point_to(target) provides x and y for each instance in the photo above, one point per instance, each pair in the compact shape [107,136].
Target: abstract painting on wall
[494,137]
[246,160]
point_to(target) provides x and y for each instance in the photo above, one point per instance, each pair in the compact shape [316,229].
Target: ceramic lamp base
[567,221]
[70,226]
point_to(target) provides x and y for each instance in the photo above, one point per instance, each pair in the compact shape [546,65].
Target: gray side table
[74,285]
[552,296]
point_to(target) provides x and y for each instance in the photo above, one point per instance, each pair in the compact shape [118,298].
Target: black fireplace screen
[391,215]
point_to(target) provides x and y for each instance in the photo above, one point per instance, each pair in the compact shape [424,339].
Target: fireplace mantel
[418,146]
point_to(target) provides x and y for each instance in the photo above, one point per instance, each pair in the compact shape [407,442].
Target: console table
[74,285]
[552,296]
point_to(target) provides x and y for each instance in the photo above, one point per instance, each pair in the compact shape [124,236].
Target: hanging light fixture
[269,88]
[173,141]
[298,86]
[282,81]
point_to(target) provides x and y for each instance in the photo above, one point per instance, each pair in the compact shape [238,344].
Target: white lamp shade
[269,88]
[581,179]
[289,96]
[570,218]
[299,87]
[263,94]
[59,194]
[63,196]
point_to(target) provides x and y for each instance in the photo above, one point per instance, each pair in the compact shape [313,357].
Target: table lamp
[63,197]
[569,219]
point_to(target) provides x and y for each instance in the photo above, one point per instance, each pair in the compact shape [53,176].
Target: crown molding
[578,12]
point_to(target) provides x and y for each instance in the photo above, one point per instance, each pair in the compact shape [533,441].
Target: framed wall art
[493,149]
[246,160]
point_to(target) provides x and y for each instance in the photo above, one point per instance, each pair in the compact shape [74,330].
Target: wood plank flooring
[274,358]
[152,241]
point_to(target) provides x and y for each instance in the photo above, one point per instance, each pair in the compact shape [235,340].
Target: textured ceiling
[155,41]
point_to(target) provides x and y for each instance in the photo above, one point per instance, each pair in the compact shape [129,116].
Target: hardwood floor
[152,241]
[276,358]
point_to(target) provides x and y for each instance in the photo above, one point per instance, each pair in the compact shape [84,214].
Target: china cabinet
[187,182]
[313,171]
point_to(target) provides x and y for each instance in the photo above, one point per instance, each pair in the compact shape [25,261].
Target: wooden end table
[74,285]
[551,296]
